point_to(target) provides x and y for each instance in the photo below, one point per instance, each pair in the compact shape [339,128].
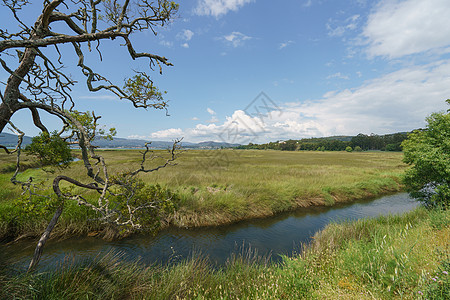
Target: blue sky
[325,68]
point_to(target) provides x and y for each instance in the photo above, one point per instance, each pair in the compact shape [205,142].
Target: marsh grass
[224,186]
[391,257]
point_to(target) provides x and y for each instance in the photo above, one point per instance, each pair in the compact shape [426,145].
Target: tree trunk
[44,238]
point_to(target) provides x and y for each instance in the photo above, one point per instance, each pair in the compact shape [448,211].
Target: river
[275,236]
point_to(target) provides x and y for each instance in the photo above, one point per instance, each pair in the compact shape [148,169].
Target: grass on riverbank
[223,186]
[393,257]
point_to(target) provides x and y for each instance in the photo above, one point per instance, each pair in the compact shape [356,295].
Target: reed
[225,186]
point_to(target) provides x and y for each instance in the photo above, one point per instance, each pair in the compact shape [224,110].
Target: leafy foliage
[88,122]
[37,206]
[140,88]
[428,150]
[50,149]
[142,203]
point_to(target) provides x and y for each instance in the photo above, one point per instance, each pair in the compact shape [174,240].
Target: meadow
[391,257]
[217,187]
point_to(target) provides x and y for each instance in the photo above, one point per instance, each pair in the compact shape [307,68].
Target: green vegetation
[428,151]
[50,150]
[387,142]
[218,186]
[393,257]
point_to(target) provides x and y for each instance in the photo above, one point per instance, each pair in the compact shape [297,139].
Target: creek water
[275,236]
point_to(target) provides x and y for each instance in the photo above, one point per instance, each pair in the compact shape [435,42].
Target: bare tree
[38,83]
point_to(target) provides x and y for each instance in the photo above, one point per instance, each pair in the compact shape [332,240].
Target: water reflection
[277,235]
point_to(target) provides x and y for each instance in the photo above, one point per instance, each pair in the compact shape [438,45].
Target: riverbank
[222,187]
[393,257]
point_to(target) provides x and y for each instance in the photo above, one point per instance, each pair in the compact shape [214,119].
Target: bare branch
[174,152]
[59,39]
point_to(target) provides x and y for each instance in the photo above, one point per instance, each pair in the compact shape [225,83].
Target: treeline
[361,142]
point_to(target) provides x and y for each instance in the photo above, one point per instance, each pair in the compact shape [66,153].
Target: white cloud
[213,119]
[194,119]
[213,116]
[398,28]
[171,133]
[166,43]
[185,45]
[339,28]
[285,44]
[137,137]
[236,39]
[397,101]
[337,31]
[308,3]
[218,8]
[338,75]
[185,35]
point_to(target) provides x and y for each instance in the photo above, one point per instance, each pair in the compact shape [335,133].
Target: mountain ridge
[10,140]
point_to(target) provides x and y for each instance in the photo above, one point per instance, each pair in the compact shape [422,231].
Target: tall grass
[225,186]
[393,257]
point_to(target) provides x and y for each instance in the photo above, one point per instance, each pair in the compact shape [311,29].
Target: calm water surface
[275,236]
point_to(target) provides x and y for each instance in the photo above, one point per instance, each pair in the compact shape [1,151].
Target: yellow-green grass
[224,186]
[392,257]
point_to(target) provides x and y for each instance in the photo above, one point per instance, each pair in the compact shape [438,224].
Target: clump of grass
[438,284]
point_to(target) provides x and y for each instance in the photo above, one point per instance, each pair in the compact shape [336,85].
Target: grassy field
[393,257]
[224,186]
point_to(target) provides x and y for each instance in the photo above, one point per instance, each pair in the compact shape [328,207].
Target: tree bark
[40,246]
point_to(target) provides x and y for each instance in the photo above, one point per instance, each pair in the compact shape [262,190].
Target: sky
[258,71]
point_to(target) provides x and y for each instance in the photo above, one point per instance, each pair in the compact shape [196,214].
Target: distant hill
[130,143]
[213,145]
[10,140]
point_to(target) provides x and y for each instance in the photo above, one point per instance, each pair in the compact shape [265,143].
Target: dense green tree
[428,151]
[50,149]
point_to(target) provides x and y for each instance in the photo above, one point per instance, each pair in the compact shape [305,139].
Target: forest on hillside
[361,142]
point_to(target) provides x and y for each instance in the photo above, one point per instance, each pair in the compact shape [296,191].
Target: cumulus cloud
[236,39]
[398,101]
[398,28]
[218,8]
[171,133]
[210,111]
